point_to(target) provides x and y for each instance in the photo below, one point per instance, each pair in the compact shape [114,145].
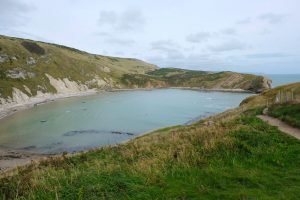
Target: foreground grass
[236,156]
[289,113]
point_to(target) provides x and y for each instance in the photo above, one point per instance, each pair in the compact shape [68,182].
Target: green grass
[238,157]
[289,113]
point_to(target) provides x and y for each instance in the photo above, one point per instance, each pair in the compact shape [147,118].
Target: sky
[255,36]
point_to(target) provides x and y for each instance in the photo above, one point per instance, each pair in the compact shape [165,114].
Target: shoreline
[185,88]
[10,109]
[11,159]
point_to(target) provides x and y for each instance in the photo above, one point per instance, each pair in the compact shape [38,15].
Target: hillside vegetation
[29,68]
[172,77]
[282,94]
[233,155]
[25,63]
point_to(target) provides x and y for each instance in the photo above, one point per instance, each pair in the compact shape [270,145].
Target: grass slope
[288,113]
[38,58]
[233,155]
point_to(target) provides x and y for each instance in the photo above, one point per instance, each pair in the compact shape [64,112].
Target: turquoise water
[107,118]
[282,79]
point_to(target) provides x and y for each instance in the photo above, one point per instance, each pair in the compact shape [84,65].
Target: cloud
[168,50]
[164,45]
[121,42]
[272,18]
[107,17]
[204,36]
[131,19]
[228,31]
[190,61]
[265,31]
[244,21]
[198,37]
[112,39]
[128,20]
[13,13]
[228,46]
[266,55]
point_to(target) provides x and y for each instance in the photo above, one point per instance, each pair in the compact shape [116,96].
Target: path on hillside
[282,126]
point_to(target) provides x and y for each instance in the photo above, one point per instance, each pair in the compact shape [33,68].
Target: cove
[108,118]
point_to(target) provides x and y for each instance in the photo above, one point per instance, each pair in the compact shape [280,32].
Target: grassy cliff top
[280,94]
[173,77]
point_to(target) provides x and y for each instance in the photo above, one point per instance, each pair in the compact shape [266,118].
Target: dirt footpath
[282,126]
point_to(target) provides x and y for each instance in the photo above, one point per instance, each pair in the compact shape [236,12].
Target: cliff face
[30,69]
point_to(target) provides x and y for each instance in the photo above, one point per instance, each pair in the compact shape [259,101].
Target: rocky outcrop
[31,61]
[18,96]
[267,84]
[65,85]
[3,58]
[99,82]
[19,73]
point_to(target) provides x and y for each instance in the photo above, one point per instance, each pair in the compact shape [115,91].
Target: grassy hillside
[172,77]
[25,63]
[233,155]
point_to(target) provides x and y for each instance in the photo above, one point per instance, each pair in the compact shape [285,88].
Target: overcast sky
[258,36]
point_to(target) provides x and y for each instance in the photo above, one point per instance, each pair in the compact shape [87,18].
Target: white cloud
[272,18]
[198,37]
[244,21]
[229,31]
[107,17]
[128,20]
[228,46]
[164,45]
[119,41]
[266,55]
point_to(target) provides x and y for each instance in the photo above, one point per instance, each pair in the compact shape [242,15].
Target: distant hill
[31,68]
[172,77]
